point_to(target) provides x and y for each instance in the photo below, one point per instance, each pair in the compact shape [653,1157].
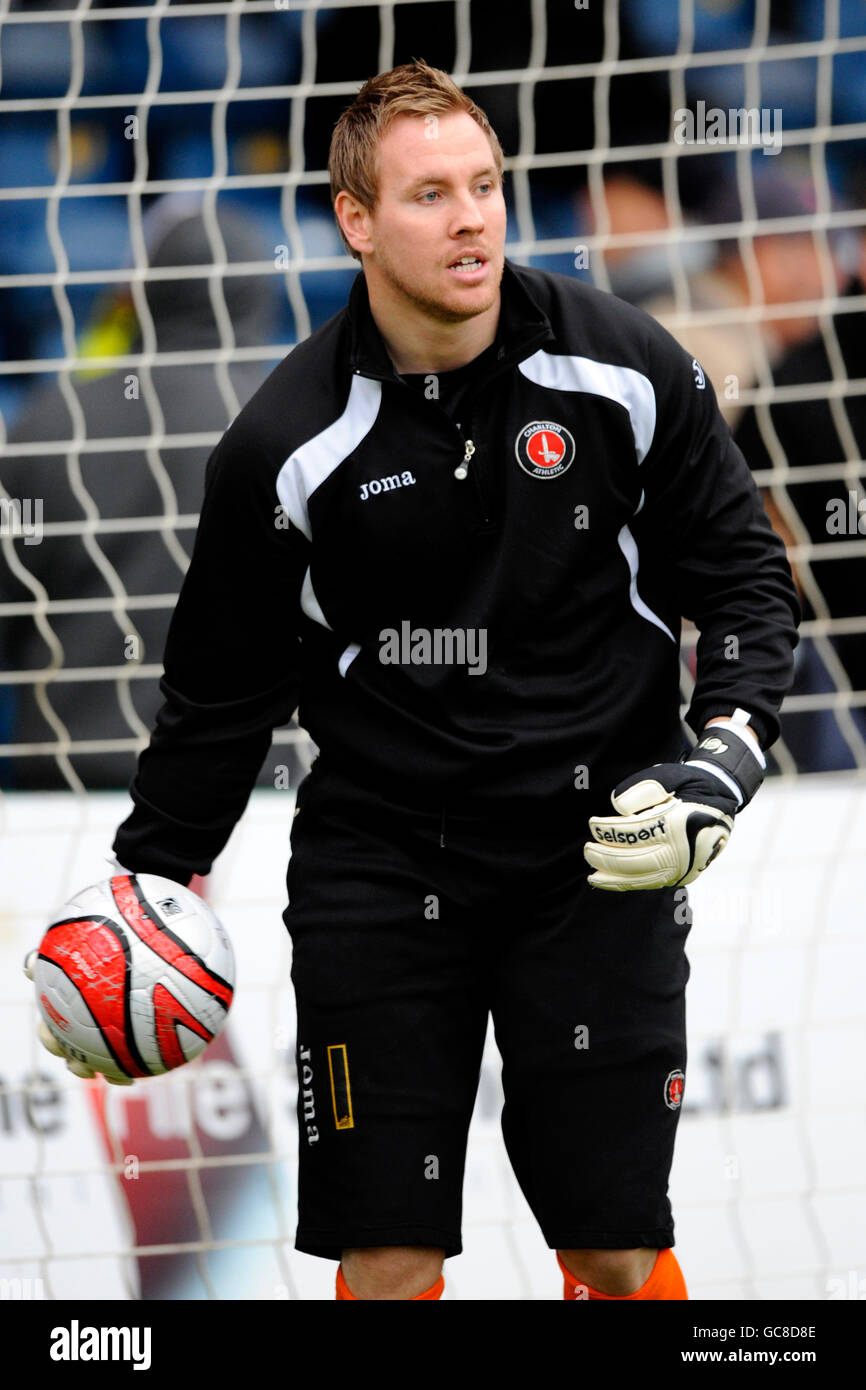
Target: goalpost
[184,1187]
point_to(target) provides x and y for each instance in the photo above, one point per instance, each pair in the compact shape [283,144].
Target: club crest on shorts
[544,449]
[674,1087]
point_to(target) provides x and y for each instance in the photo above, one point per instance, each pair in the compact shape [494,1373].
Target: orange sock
[344,1292]
[665,1282]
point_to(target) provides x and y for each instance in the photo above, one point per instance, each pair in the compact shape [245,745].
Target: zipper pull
[462,469]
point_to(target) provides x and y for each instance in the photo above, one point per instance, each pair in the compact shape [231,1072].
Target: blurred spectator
[116,484]
[788,268]
[814,432]
[634,204]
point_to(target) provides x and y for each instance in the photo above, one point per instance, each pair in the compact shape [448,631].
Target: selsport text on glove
[675,818]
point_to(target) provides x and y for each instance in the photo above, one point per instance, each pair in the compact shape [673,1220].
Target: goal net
[166,239]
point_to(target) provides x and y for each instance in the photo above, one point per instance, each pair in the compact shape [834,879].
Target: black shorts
[409,928]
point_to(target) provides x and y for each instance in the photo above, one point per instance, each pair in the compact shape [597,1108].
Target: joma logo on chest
[377,485]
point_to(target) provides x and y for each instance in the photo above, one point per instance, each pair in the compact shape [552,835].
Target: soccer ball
[134,977]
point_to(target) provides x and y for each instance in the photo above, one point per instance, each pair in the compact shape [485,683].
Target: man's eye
[432,193]
[484,187]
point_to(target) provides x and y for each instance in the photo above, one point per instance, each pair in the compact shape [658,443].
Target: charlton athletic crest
[674,1087]
[544,449]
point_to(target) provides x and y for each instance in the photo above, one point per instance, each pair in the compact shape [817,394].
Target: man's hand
[50,1043]
[675,818]
[672,823]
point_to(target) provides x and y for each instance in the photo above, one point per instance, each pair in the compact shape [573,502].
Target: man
[460,524]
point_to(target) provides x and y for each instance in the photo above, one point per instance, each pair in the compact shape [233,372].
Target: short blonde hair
[413,89]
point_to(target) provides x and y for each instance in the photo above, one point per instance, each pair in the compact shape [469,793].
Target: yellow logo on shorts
[341,1091]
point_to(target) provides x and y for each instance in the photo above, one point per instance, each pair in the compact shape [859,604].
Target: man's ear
[354,222]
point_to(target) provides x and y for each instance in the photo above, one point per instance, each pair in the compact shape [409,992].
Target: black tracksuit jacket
[603,500]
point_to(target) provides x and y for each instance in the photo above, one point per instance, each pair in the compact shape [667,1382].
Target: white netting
[126,351]
[175,117]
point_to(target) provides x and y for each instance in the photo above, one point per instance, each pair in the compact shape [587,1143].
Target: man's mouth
[466,265]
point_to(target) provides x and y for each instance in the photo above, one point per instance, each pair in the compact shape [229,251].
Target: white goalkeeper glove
[675,818]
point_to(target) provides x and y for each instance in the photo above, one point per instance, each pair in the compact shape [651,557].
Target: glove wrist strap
[732,756]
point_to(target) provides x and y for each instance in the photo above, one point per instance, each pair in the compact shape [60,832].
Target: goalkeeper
[457,528]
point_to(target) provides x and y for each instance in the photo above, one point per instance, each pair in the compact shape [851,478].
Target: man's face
[790,270]
[440,200]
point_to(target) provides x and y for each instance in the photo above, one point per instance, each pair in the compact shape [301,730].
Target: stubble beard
[436,308]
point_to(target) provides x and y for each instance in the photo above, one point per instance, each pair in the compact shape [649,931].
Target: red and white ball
[134,977]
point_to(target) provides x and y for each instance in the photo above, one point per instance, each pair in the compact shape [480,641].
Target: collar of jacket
[522,327]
